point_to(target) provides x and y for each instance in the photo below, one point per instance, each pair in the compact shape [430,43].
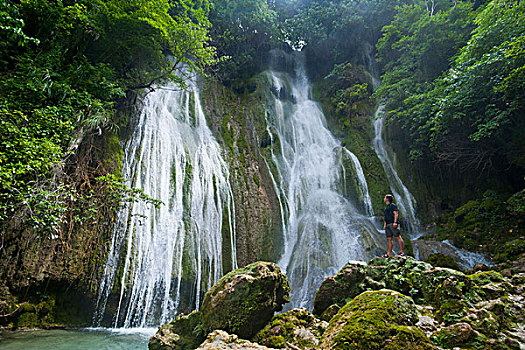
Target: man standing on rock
[391,226]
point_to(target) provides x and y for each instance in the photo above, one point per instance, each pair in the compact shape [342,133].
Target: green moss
[115,154]
[485,277]
[183,333]
[245,299]
[283,328]
[452,311]
[375,320]
[490,225]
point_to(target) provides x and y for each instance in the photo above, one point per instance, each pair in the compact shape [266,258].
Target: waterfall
[363,186]
[322,229]
[402,196]
[162,260]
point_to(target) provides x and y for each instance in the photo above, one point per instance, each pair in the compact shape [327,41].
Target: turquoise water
[71,339]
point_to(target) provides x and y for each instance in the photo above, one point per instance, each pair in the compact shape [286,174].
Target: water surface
[72,339]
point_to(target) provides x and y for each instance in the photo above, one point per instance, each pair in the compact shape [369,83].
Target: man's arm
[396,214]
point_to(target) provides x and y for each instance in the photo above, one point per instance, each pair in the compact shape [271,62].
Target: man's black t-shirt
[389,213]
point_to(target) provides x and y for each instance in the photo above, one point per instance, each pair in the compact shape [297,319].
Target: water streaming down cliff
[162,260]
[363,186]
[402,196]
[322,229]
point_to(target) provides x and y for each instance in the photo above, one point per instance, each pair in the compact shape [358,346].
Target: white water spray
[162,260]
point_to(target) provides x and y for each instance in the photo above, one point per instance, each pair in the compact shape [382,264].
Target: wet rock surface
[396,303]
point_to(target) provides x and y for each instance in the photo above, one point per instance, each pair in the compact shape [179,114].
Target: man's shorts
[391,231]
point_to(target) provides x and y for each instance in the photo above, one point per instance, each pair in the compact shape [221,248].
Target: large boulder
[220,340]
[382,319]
[297,327]
[244,301]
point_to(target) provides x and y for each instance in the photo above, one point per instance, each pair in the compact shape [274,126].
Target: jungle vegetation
[452,79]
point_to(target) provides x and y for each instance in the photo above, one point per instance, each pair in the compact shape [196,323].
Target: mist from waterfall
[322,229]
[162,260]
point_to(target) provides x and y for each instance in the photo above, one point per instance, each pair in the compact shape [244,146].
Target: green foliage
[65,66]
[350,88]
[243,31]
[338,31]
[454,81]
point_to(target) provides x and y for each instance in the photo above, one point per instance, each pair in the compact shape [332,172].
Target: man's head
[388,199]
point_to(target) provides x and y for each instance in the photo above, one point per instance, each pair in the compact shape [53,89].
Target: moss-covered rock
[297,327]
[244,300]
[490,224]
[382,319]
[486,277]
[330,312]
[185,332]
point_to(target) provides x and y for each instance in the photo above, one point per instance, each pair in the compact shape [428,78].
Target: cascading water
[363,186]
[402,196]
[322,229]
[161,260]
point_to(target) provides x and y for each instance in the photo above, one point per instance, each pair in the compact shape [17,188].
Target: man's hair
[390,198]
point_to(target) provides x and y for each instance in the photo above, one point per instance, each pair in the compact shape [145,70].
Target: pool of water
[70,339]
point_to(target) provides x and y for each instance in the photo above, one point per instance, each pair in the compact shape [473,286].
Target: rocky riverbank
[385,304]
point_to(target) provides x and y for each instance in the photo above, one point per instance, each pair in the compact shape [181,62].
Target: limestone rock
[382,319]
[220,340]
[297,327]
[244,300]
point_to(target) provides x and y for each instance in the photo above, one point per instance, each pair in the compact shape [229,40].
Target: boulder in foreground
[244,301]
[382,319]
[297,327]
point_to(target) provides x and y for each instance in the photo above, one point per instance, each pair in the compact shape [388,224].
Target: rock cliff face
[239,124]
[396,303]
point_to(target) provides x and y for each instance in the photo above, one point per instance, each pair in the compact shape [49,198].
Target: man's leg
[389,245]
[401,243]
